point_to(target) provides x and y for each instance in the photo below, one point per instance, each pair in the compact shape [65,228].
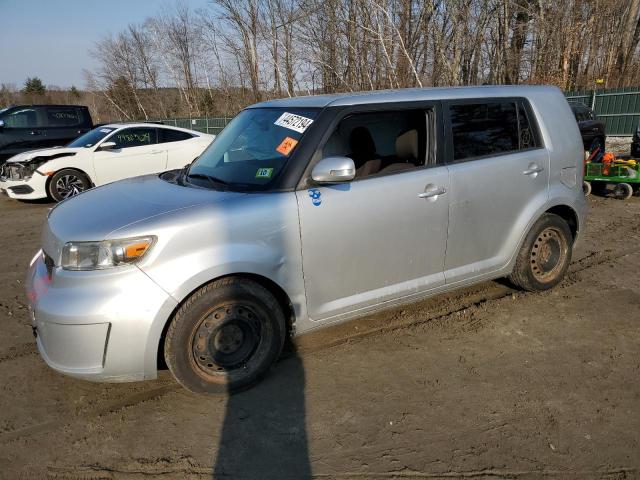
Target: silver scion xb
[303,213]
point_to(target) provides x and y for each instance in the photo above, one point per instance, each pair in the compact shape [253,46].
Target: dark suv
[29,127]
[591,129]
[635,143]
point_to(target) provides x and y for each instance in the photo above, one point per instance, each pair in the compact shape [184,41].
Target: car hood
[45,153]
[96,213]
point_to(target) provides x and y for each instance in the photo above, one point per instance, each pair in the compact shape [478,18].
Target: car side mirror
[1,124]
[334,170]
[107,146]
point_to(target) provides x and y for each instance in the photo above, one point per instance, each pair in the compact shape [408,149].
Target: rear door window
[133,137]
[63,117]
[491,128]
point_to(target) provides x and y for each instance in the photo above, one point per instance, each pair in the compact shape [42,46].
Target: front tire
[67,183]
[225,337]
[544,256]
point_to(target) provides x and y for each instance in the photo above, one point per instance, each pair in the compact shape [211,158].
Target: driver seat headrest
[407,145]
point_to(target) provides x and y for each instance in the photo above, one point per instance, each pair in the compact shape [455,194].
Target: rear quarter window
[480,129]
[167,135]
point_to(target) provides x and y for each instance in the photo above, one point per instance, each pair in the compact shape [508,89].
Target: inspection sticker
[286,146]
[293,122]
[264,173]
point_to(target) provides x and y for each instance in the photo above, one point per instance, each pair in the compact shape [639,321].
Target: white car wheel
[67,183]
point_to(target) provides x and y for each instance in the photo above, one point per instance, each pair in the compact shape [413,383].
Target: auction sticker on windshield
[264,173]
[286,146]
[294,122]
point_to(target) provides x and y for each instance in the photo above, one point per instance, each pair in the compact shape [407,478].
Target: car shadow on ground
[264,433]
[39,201]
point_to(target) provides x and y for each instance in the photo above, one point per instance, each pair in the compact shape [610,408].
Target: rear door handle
[433,193]
[33,132]
[156,151]
[533,169]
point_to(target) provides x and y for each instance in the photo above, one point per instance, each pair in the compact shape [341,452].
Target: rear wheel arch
[569,215]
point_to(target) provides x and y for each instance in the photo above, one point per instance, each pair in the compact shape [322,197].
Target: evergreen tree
[34,86]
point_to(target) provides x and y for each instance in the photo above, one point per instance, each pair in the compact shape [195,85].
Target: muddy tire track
[18,352]
[180,470]
[113,407]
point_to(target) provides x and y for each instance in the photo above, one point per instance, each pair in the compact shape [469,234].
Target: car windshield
[89,139]
[253,149]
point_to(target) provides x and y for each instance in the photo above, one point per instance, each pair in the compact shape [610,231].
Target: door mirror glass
[334,170]
[107,146]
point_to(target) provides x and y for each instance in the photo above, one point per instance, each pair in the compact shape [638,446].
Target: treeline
[214,61]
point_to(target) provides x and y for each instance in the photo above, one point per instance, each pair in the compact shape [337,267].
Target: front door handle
[33,132]
[533,170]
[433,193]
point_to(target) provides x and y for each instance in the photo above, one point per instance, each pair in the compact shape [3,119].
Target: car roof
[148,124]
[405,95]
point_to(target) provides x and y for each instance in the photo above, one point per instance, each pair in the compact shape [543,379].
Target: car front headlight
[105,254]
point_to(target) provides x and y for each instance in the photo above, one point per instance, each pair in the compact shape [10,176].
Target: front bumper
[100,325]
[27,189]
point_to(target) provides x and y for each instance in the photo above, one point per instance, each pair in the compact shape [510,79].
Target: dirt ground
[484,383]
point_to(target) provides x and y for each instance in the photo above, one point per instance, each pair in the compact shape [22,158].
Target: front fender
[74,162]
[255,234]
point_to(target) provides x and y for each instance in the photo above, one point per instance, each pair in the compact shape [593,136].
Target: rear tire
[623,191]
[67,183]
[225,337]
[544,256]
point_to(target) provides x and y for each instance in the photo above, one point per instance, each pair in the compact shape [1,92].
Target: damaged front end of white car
[20,177]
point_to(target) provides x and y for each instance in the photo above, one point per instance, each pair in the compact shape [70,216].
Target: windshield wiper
[212,180]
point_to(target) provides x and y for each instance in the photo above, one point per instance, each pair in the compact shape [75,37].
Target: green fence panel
[618,108]
[211,125]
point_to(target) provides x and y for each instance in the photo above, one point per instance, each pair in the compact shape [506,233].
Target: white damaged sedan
[103,155]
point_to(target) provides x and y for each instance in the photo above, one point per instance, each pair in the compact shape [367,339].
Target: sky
[51,39]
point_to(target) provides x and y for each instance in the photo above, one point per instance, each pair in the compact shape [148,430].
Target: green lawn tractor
[620,176]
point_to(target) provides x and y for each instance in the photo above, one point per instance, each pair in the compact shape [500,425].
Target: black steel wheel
[67,183]
[548,254]
[225,336]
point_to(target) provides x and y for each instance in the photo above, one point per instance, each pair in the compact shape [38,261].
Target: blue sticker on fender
[316,196]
